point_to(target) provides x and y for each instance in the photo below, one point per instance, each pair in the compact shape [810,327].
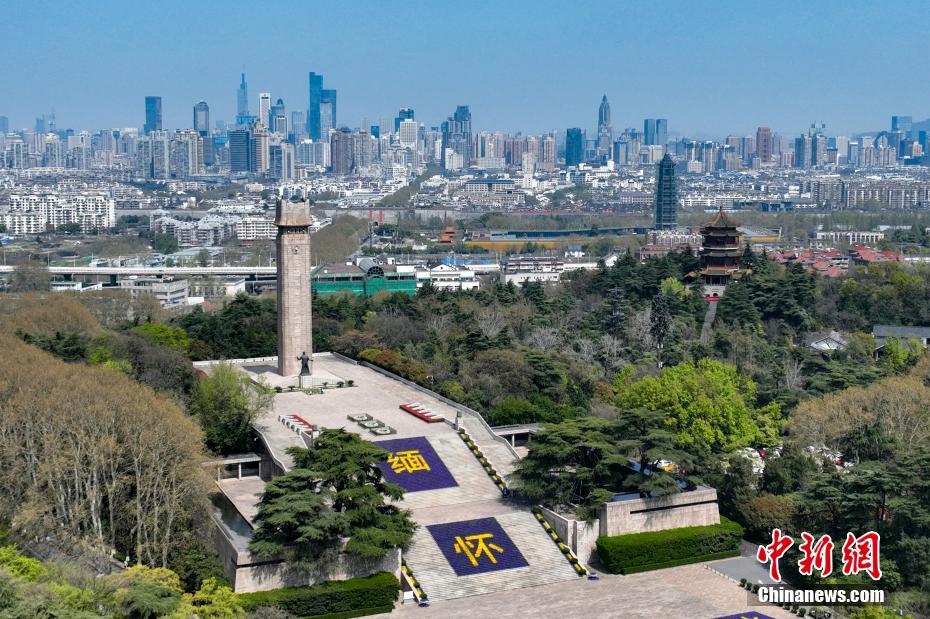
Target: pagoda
[720,255]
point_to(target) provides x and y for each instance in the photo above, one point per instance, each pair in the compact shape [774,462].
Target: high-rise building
[457,136]
[153,155]
[202,118]
[342,152]
[764,144]
[574,146]
[264,108]
[241,151]
[655,131]
[902,123]
[819,150]
[407,133]
[405,113]
[152,115]
[261,143]
[4,125]
[605,132]
[242,98]
[666,216]
[803,146]
[298,126]
[53,156]
[321,111]
[277,118]
[313,107]
[327,111]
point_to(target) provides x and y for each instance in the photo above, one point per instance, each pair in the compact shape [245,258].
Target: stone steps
[546,563]
[473,481]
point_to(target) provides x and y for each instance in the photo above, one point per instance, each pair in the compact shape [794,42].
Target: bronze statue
[304,364]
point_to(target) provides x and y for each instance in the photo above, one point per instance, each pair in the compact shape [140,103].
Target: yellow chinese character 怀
[476,546]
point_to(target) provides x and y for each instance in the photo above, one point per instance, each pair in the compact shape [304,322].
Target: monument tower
[295,335]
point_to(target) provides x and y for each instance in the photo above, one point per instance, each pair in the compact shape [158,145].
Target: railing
[484,462]
[418,594]
[569,555]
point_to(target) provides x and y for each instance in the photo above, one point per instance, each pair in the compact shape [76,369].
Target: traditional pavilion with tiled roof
[720,255]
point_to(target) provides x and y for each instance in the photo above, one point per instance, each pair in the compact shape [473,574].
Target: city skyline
[683,72]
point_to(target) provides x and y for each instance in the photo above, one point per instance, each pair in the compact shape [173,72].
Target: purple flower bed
[418,467]
[484,539]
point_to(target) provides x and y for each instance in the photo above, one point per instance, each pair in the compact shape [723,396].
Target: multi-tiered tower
[295,335]
[720,255]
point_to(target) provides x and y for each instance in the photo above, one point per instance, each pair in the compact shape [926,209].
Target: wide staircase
[440,582]
[475,498]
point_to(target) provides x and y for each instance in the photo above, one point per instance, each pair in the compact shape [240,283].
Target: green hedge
[337,597]
[639,552]
[349,614]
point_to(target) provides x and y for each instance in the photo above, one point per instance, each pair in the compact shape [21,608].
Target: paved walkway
[690,591]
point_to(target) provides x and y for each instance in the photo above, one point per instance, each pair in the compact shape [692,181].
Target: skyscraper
[242,98]
[902,123]
[764,144]
[298,127]
[152,115]
[802,151]
[264,108]
[321,110]
[457,136]
[4,125]
[241,151]
[342,152]
[655,131]
[666,217]
[327,111]
[405,113]
[202,118]
[605,132]
[574,146]
[277,118]
[407,133]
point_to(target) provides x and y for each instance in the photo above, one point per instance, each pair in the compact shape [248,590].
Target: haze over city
[530,66]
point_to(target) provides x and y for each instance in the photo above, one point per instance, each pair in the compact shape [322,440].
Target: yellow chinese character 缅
[408,461]
[476,546]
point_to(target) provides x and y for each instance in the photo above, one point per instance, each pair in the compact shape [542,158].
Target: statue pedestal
[306,381]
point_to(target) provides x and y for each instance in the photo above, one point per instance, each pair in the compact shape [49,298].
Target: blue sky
[711,68]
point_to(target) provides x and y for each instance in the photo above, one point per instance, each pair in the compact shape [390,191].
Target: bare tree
[794,379]
[544,338]
[491,321]
[88,454]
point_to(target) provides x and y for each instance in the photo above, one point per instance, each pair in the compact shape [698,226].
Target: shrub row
[394,361]
[490,470]
[341,596]
[639,552]
[569,555]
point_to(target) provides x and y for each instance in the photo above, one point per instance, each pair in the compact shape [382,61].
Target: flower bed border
[485,464]
[569,555]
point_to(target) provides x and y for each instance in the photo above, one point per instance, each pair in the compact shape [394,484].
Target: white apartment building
[37,213]
[545,269]
[169,292]
[447,277]
[254,228]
